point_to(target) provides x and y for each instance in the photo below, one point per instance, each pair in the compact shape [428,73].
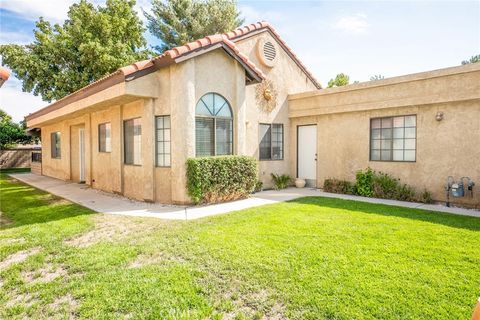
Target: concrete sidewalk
[104,202]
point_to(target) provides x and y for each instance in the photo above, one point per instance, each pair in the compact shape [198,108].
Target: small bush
[338,186]
[370,183]
[219,179]
[258,186]
[280,181]
[405,193]
[385,186]
[426,197]
[364,182]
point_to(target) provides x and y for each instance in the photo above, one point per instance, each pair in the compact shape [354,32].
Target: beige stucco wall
[287,78]
[62,168]
[107,166]
[189,81]
[444,148]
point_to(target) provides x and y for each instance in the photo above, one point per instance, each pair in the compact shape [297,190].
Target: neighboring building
[246,93]
[4,75]
[21,156]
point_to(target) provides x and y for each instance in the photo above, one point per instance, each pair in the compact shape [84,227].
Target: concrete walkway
[104,202]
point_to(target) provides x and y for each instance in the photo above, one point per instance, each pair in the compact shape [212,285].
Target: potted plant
[300,183]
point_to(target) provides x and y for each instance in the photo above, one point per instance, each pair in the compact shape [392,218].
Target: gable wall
[189,81]
[287,78]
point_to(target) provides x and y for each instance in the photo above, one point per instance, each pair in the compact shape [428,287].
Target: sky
[359,38]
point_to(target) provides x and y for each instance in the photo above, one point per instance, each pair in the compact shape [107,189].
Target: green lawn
[314,258]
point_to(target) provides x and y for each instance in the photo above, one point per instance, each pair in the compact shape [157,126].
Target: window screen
[133,141]
[104,137]
[393,138]
[271,141]
[55,145]
[163,141]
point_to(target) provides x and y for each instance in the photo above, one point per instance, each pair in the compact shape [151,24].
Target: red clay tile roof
[229,39]
[208,41]
[4,74]
[168,57]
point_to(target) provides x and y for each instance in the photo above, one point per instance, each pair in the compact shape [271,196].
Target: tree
[377,77]
[11,133]
[91,43]
[176,22]
[473,59]
[340,80]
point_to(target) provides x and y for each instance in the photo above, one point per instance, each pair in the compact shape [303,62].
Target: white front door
[307,154]
[81,156]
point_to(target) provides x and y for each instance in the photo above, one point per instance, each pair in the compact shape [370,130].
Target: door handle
[315,157]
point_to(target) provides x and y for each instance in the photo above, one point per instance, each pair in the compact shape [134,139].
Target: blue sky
[359,38]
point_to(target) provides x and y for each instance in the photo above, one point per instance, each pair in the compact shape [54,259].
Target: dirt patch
[52,200]
[66,304]
[254,305]
[12,241]
[44,275]
[25,300]
[4,221]
[154,258]
[18,257]
[110,228]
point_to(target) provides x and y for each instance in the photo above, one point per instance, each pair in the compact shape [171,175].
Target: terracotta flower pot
[300,183]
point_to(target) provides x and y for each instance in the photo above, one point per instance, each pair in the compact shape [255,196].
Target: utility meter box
[457,190]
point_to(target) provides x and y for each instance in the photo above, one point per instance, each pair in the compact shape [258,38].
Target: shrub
[384,185]
[258,186]
[364,182]
[280,181]
[405,193]
[426,197]
[338,186]
[223,178]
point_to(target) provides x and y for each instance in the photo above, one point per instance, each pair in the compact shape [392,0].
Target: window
[271,141]
[213,126]
[104,138]
[163,141]
[36,157]
[393,138]
[55,145]
[132,130]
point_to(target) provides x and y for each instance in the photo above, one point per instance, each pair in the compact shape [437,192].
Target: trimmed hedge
[221,178]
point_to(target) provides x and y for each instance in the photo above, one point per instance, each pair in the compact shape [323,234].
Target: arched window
[213,126]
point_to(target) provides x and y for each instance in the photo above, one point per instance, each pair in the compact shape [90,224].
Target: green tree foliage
[11,133]
[473,59]
[91,43]
[340,80]
[377,77]
[177,22]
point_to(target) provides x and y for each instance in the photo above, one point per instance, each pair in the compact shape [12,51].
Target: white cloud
[16,37]
[55,10]
[16,103]
[353,24]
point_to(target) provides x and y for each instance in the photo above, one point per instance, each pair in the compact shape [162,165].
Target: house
[245,92]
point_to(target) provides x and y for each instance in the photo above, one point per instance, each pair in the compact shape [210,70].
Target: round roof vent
[267,52]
